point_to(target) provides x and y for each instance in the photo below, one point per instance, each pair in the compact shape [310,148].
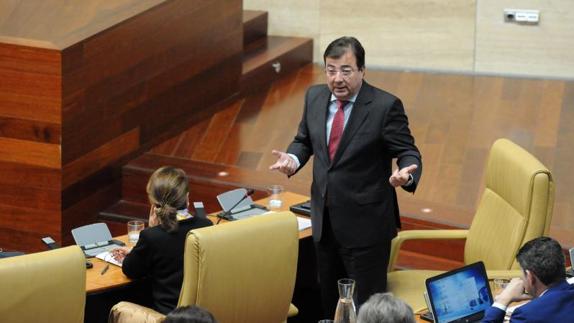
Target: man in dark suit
[354,130]
[543,281]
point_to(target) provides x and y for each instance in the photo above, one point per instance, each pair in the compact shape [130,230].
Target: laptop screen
[461,295]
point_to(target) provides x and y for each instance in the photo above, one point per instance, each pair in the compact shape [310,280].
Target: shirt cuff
[296,160]
[500,306]
[410,181]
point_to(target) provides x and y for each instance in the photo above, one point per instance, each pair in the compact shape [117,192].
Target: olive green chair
[47,286]
[242,271]
[515,207]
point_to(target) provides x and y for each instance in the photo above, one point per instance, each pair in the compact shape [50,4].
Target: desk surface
[114,277]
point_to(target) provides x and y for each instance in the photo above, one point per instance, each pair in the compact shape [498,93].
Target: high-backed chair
[44,287]
[515,207]
[242,271]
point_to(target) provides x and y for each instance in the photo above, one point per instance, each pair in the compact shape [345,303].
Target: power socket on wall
[521,16]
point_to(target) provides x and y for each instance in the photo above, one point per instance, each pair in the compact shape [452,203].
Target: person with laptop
[543,281]
[158,254]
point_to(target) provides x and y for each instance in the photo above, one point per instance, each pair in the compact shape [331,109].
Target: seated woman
[158,254]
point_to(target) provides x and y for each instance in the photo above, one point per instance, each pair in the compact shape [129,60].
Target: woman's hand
[120,253]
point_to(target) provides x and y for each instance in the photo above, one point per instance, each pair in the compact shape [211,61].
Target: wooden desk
[114,277]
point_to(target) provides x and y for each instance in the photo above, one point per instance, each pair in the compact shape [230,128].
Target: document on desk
[303,223]
[108,257]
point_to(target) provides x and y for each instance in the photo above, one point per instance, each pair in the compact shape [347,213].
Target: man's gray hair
[385,308]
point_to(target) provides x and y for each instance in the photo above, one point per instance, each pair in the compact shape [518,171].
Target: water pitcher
[345,312]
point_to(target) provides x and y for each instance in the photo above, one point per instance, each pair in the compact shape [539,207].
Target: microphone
[226,215]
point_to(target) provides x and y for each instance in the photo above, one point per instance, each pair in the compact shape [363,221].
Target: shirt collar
[183,214]
[351,100]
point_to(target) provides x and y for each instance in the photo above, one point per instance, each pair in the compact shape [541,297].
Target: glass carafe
[345,312]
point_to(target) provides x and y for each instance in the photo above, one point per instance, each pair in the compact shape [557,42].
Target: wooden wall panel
[100,157]
[30,136]
[81,211]
[30,153]
[121,100]
[29,130]
[108,81]
[105,82]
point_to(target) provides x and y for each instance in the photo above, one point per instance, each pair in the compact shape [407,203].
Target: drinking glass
[134,228]
[275,201]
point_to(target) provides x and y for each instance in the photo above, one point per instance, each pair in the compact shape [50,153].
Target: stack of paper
[303,223]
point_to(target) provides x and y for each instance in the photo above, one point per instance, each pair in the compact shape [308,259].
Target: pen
[105,269]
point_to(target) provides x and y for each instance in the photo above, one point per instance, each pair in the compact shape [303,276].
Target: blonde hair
[167,191]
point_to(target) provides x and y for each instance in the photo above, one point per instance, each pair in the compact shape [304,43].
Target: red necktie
[337,128]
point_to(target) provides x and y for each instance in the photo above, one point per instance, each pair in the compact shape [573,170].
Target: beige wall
[546,49]
[450,35]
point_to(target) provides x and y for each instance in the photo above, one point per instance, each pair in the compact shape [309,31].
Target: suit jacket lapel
[356,119]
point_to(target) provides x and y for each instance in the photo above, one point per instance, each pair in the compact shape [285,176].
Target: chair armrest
[293,310]
[125,312]
[420,235]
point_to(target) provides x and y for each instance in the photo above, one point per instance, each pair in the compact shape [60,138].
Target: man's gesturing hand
[402,176]
[285,164]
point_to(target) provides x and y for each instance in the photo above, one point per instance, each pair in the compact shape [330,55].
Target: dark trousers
[366,265]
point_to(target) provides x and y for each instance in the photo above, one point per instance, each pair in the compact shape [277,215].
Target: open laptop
[460,295]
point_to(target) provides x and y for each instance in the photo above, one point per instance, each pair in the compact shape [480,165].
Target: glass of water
[134,229]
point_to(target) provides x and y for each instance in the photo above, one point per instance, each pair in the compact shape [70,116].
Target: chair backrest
[516,207]
[44,287]
[242,271]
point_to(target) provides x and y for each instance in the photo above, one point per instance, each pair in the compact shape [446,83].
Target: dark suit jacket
[362,204]
[159,255]
[555,305]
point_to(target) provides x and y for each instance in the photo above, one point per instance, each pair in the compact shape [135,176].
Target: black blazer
[363,206]
[159,255]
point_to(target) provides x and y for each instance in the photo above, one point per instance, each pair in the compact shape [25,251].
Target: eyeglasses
[345,71]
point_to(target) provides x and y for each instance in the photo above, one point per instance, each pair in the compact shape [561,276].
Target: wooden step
[117,215]
[269,58]
[210,172]
[124,211]
[254,26]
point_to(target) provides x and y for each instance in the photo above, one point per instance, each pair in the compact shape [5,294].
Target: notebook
[460,295]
